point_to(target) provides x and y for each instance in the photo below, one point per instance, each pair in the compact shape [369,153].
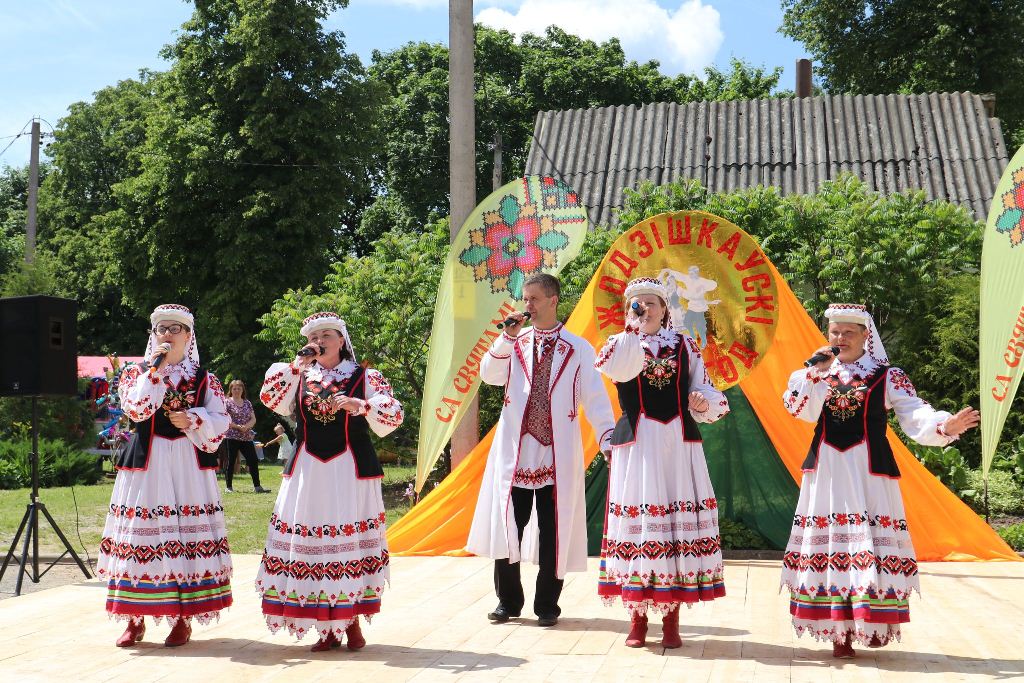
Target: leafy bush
[1005,496]
[736,536]
[1013,535]
[60,464]
[945,463]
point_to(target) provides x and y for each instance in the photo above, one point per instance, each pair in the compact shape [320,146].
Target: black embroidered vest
[188,394]
[855,413]
[660,392]
[326,434]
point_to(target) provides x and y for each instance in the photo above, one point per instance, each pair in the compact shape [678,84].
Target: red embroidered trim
[538,477]
[652,510]
[841,561]
[327,530]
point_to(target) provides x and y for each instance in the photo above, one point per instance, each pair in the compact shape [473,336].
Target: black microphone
[160,359]
[512,321]
[819,357]
[307,351]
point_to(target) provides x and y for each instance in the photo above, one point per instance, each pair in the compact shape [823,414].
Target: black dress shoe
[500,615]
[547,621]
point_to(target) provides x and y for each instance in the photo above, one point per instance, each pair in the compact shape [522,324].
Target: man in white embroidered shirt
[536,461]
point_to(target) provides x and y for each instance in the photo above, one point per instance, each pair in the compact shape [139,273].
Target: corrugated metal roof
[942,143]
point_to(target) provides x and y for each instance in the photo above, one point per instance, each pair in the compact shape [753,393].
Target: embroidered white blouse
[807,392]
[142,393]
[280,387]
[623,357]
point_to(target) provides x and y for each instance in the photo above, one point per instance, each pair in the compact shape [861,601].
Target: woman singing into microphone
[165,551]
[326,557]
[850,565]
[661,547]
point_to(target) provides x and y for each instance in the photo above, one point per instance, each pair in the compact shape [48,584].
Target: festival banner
[721,288]
[1001,324]
[535,224]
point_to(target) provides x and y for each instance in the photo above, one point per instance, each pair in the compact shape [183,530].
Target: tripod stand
[30,525]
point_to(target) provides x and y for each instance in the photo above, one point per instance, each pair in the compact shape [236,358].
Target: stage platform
[969,625]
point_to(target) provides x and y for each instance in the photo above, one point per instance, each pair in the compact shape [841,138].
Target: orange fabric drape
[942,526]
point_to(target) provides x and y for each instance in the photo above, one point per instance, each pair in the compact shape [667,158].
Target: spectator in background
[240,435]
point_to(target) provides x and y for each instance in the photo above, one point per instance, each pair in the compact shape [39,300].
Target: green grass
[246,513]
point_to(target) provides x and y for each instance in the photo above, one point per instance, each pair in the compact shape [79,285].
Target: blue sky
[55,52]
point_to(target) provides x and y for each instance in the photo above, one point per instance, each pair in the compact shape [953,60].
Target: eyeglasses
[168,329]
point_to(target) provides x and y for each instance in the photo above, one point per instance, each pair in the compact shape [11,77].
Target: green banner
[535,224]
[1001,328]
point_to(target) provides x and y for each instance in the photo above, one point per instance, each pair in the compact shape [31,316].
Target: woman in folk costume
[326,557]
[535,466]
[849,565]
[165,550]
[661,547]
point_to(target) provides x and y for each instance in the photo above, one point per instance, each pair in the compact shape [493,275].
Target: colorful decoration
[1011,220]
[532,225]
[522,237]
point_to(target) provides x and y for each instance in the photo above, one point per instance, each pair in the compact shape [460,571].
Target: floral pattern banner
[1001,328]
[535,224]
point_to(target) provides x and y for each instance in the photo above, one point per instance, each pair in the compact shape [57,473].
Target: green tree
[96,147]
[14,214]
[915,46]
[387,300]
[253,172]
[514,80]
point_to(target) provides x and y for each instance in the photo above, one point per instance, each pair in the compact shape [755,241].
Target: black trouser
[507,582]
[249,451]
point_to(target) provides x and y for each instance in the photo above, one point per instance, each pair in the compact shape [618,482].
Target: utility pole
[496,174]
[33,194]
[462,169]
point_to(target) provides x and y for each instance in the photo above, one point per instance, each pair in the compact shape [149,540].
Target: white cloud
[685,39]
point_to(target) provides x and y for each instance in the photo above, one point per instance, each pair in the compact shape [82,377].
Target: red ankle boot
[843,650]
[179,635]
[638,633]
[670,630]
[132,634]
[354,635]
[326,643]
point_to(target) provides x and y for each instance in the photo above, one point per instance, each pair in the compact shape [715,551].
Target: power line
[27,124]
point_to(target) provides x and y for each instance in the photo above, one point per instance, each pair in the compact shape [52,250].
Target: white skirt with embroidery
[850,565]
[164,551]
[661,546]
[326,559]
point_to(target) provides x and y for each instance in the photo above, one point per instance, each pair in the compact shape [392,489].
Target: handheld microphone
[166,348]
[638,308]
[307,351]
[512,321]
[819,357]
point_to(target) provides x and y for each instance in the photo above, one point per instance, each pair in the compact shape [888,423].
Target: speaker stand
[30,526]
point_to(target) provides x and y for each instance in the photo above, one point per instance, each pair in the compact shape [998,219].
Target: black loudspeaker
[38,346]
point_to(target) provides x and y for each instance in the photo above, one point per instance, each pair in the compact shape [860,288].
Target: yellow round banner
[721,289]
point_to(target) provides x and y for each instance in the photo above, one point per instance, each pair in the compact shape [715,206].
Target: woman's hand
[824,365]
[179,418]
[698,403]
[353,406]
[159,352]
[305,361]
[955,425]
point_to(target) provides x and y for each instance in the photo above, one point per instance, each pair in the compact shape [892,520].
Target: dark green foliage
[736,536]
[1013,535]
[60,464]
[1005,496]
[945,463]
[514,80]
[387,300]
[917,46]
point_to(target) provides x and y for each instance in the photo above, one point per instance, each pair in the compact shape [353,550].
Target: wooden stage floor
[969,625]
